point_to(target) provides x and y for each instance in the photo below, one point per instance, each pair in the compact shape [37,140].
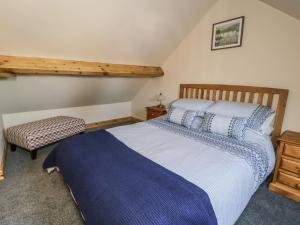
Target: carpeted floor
[29,196]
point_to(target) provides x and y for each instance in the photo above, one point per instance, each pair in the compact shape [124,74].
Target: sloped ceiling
[291,7]
[116,31]
[142,32]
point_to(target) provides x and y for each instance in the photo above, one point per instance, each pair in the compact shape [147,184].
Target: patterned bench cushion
[39,133]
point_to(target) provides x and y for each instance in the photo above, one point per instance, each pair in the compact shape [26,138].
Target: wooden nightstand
[286,180]
[155,111]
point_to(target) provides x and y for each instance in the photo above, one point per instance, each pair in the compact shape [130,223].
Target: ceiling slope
[291,7]
[138,32]
[141,32]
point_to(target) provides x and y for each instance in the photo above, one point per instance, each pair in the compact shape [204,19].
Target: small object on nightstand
[286,180]
[160,99]
[155,111]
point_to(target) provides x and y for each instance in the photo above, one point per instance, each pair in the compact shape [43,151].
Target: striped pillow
[233,127]
[180,116]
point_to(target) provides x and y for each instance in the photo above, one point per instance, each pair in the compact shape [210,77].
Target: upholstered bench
[34,135]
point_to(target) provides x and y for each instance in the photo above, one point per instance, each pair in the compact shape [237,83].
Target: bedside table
[155,111]
[286,180]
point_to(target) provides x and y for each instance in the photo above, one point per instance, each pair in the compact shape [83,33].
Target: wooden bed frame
[272,97]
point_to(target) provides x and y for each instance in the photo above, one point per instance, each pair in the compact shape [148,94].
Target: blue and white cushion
[197,123]
[259,117]
[198,105]
[181,116]
[233,127]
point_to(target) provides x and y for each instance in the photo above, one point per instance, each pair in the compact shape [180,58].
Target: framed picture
[228,34]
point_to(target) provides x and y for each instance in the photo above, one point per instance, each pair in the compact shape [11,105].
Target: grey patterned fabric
[233,127]
[181,116]
[256,114]
[39,133]
[254,155]
[259,116]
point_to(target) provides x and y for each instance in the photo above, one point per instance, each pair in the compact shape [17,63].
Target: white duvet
[226,178]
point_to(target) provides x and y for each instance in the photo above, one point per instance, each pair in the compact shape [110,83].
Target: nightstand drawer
[289,180]
[292,150]
[290,165]
[155,111]
[151,114]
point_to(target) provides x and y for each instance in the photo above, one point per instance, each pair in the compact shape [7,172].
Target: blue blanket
[114,185]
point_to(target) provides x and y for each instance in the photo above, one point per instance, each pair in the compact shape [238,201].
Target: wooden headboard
[272,97]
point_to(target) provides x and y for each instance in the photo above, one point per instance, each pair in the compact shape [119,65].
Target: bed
[224,172]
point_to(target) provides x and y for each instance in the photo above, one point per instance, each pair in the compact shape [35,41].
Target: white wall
[269,57]
[90,114]
[32,93]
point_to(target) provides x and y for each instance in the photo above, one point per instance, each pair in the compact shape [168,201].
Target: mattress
[229,179]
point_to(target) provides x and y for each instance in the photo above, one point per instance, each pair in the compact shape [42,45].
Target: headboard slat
[243,95]
[207,94]
[235,94]
[197,93]
[227,95]
[220,96]
[260,98]
[251,97]
[186,93]
[270,100]
[203,91]
[214,98]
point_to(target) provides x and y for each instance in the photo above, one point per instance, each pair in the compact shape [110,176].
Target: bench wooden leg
[33,154]
[13,147]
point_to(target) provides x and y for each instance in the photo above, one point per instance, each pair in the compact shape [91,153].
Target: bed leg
[13,147]
[33,154]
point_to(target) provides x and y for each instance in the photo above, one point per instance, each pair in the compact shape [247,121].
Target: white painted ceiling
[291,7]
[142,32]
[121,31]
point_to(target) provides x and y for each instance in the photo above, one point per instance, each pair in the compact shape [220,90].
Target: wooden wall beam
[6,75]
[11,65]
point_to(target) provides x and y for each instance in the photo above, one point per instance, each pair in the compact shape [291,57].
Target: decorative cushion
[233,127]
[181,116]
[39,133]
[198,105]
[259,117]
[197,123]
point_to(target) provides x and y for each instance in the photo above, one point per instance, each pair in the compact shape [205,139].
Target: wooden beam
[6,75]
[42,66]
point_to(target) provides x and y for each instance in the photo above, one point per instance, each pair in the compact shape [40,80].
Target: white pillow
[233,127]
[259,118]
[198,105]
[197,122]
[181,116]
[268,126]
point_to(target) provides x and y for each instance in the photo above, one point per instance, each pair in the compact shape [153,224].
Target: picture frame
[228,34]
